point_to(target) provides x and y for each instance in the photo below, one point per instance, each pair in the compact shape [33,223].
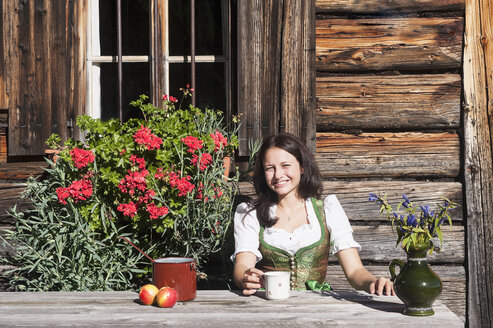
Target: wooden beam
[478,166]
[400,154]
[353,196]
[47,82]
[378,244]
[383,7]
[297,96]
[21,170]
[276,75]
[388,102]
[407,43]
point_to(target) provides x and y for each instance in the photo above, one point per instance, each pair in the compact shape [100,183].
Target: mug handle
[392,268]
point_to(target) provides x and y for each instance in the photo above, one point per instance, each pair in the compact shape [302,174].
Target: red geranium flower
[156,211]
[81,157]
[145,137]
[129,209]
[79,190]
[193,143]
[219,140]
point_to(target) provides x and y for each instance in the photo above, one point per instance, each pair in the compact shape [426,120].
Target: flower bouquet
[415,224]
[416,284]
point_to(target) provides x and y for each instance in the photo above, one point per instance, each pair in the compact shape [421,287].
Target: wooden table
[214,308]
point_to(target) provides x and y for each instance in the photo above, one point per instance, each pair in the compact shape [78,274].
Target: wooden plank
[3,145]
[407,43]
[297,76]
[406,154]
[385,7]
[391,101]
[10,196]
[4,123]
[158,50]
[378,245]
[213,308]
[353,196]
[453,278]
[478,166]
[4,70]
[21,170]
[258,69]
[276,75]
[47,79]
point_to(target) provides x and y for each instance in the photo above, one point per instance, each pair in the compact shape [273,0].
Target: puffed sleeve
[246,231]
[341,233]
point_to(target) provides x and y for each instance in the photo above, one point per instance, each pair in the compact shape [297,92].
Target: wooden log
[392,101]
[453,278]
[10,196]
[378,243]
[21,170]
[407,43]
[385,7]
[478,165]
[406,154]
[353,196]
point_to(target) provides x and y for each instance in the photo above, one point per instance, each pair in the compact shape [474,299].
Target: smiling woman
[288,228]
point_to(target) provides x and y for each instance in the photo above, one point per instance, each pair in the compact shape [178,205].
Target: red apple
[166,297]
[147,294]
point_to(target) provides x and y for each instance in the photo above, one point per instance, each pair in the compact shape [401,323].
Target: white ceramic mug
[276,284]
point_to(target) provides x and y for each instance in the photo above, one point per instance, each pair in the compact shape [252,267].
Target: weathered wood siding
[44,57]
[276,85]
[478,163]
[388,119]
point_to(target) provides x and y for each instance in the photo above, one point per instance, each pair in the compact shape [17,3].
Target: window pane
[135,27]
[208,27]
[135,83]
[210,89]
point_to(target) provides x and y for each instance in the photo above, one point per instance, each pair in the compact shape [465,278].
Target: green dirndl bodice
[308,263]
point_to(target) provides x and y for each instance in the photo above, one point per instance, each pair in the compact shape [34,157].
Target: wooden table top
[214,308]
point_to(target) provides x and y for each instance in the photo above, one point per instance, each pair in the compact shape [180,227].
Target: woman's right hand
[251,281]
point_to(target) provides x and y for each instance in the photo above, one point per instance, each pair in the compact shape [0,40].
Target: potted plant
[417,285]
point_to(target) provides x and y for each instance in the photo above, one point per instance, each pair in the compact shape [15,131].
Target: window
[212,53]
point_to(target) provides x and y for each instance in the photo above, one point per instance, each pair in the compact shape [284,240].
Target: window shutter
[276,69]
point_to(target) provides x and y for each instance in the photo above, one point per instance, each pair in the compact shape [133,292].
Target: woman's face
[282,172]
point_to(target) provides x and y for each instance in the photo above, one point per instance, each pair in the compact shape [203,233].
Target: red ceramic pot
[179,273]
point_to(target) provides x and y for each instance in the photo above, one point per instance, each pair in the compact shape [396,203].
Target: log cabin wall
[388,118]
[43,81]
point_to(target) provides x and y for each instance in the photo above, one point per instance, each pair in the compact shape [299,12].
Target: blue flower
[406,201]
[411,221]
[426,211]
[373,198]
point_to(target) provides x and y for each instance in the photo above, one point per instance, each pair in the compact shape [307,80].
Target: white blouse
[247,227]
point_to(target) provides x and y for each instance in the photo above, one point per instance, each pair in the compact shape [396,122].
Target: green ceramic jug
[417,285]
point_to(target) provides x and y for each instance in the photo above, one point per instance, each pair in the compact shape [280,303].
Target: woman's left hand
[382,286]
